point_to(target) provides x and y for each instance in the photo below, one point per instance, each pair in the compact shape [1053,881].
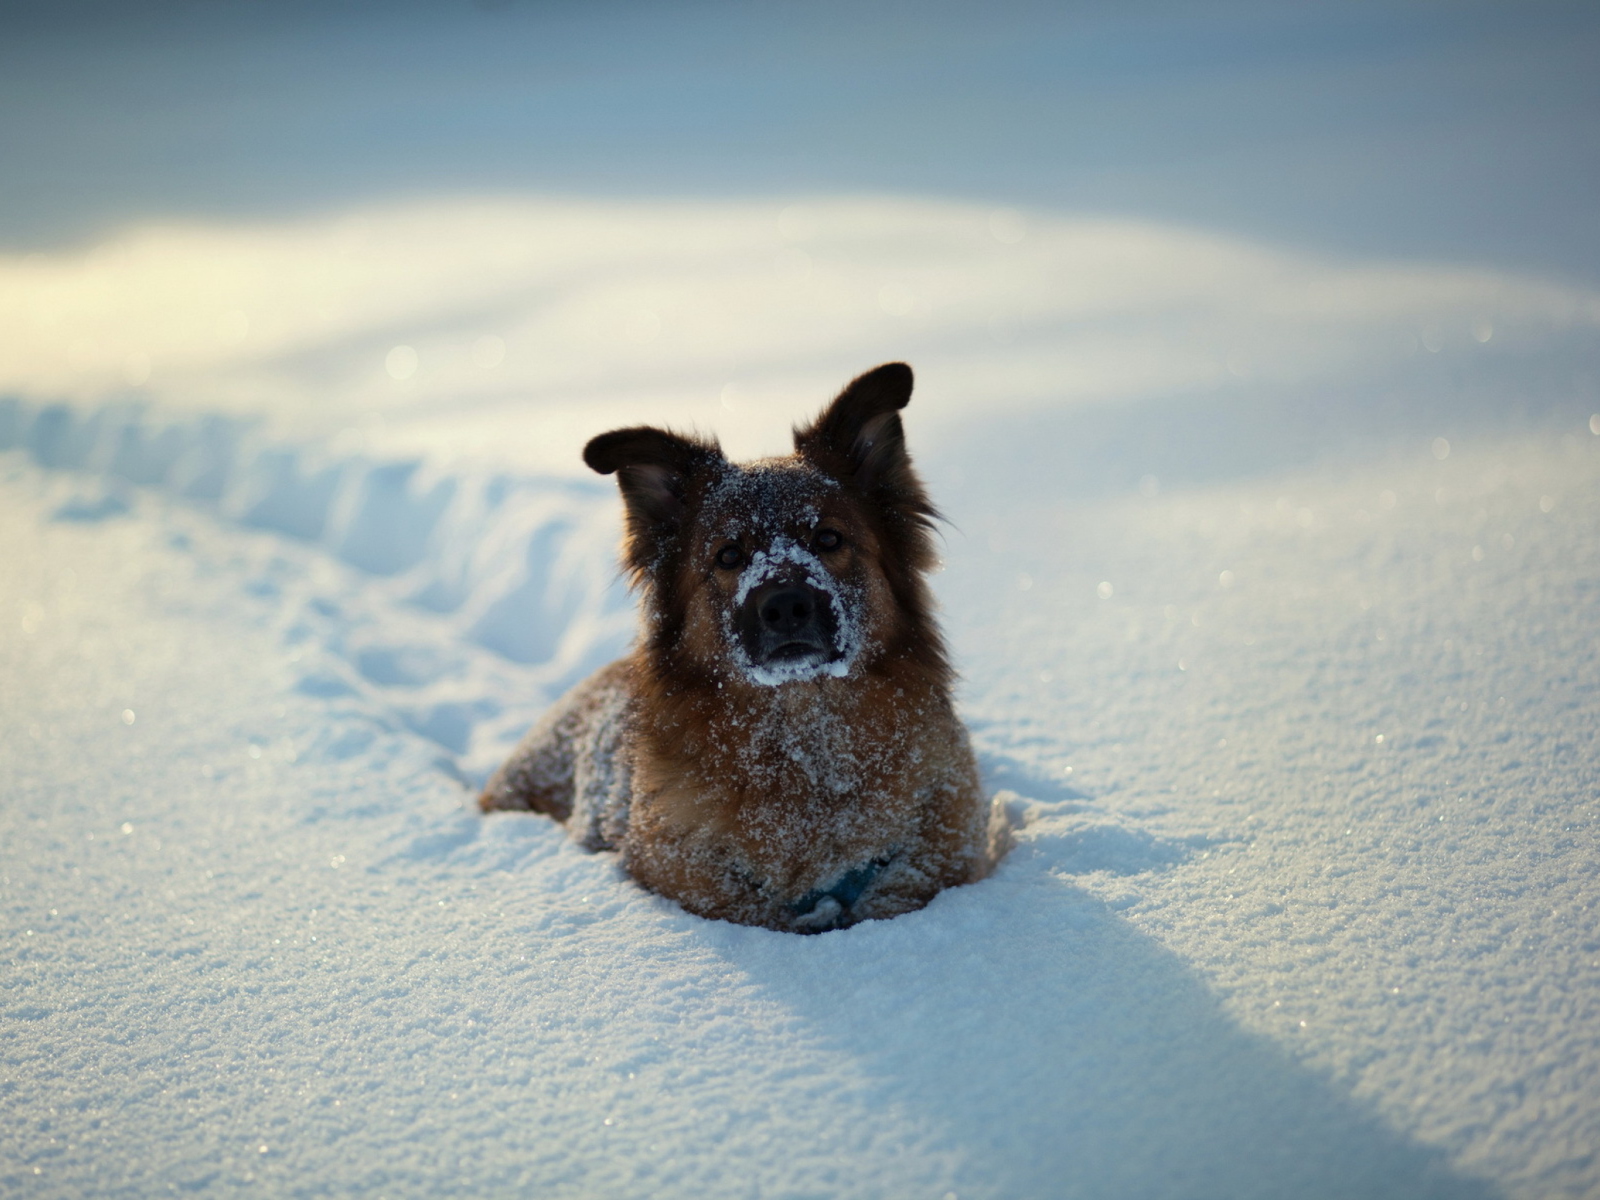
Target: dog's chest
[807,753]
[785,781]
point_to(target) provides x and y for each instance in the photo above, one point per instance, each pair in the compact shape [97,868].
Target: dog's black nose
[787,620]
[791,610]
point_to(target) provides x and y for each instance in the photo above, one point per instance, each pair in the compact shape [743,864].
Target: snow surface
[512,329]
[1290,672]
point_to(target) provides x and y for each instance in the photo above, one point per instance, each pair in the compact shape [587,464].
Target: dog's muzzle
[783,622]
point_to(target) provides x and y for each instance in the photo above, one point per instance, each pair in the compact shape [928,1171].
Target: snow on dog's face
[786,570]
[781,576]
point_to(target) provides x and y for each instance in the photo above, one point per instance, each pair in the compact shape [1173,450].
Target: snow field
[513,328]
[1374,688]
[1236,952]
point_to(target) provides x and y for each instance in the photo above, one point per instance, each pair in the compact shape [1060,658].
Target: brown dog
[780,749]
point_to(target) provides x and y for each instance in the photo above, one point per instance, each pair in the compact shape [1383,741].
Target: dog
[780,749]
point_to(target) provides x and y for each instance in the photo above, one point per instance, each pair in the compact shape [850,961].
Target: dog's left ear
[859,439]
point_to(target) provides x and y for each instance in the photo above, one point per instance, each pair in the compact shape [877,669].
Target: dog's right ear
[653,469]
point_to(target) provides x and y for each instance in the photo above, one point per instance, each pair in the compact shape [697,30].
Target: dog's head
[785,569]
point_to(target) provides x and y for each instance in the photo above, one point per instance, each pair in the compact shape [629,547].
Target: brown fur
[806,804]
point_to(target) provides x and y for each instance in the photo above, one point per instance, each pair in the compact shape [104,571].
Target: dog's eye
[828,539]
[730,557]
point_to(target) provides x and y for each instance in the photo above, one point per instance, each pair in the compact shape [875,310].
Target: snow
[1271,572]
[731,316]
[1302,902]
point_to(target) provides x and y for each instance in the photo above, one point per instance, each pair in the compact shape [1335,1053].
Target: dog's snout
[786,620]
[788,610]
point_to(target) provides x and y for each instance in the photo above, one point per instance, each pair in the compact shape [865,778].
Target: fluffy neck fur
[810,736]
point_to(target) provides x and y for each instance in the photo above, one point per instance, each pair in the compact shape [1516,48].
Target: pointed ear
[858,438]
[654,469]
